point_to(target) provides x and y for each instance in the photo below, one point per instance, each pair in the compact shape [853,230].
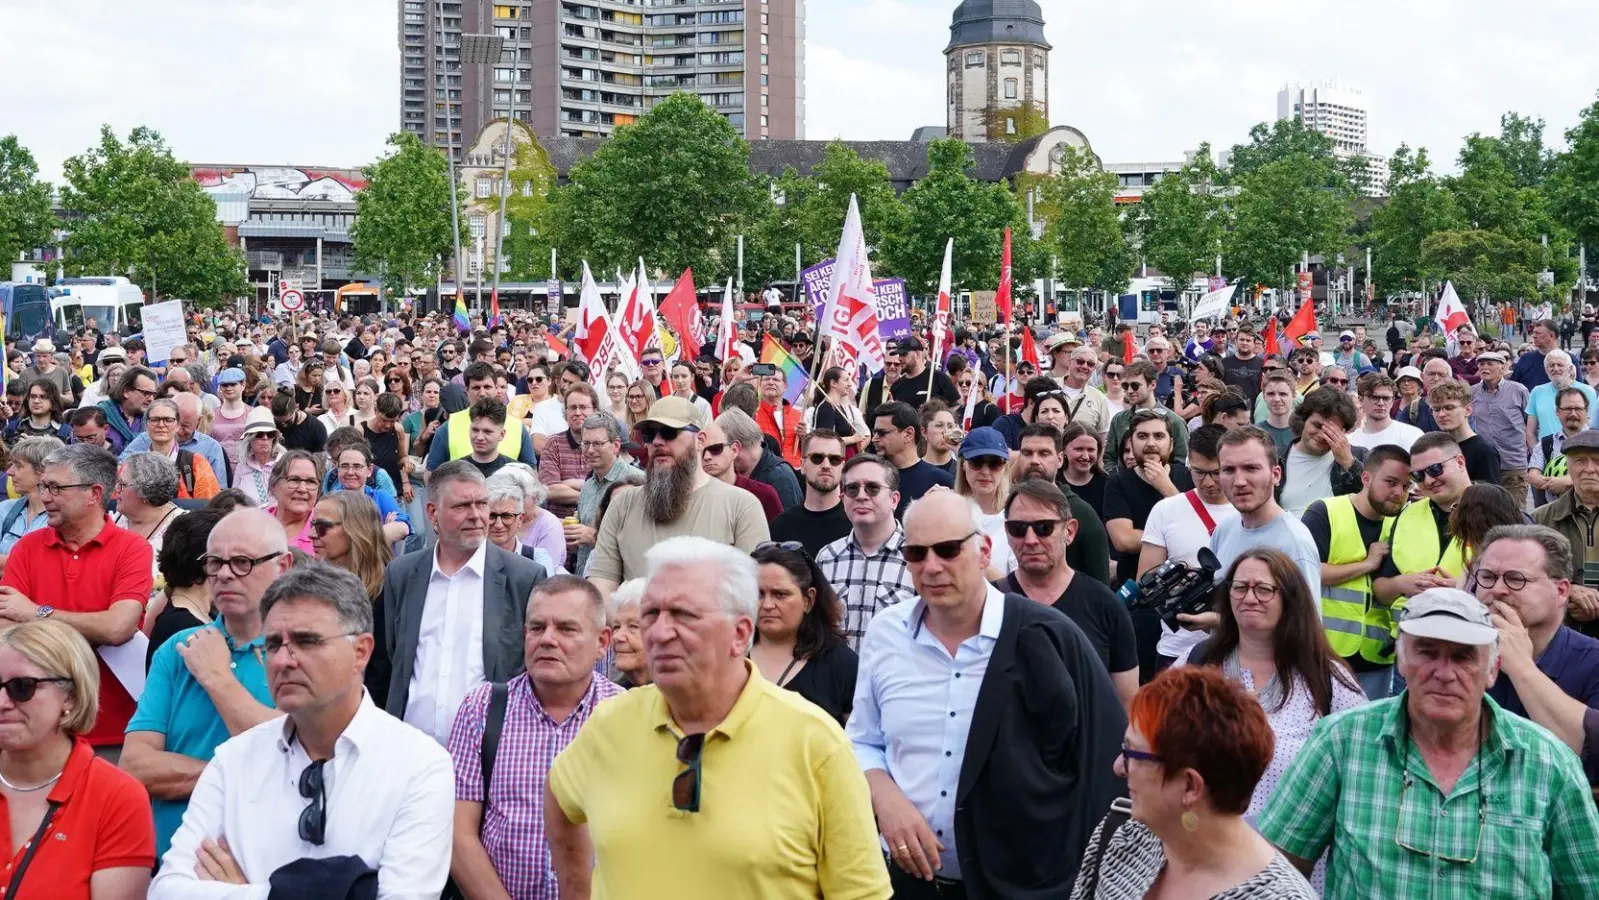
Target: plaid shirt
[513,816]
[1345,788]
[866,583]
[561,461]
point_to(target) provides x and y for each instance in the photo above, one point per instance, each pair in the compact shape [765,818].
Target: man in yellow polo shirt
[712,782]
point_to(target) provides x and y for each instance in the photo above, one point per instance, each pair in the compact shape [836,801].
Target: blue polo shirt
[1572,661]
[173,704]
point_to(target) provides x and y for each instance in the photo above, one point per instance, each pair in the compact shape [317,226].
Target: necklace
[28,790]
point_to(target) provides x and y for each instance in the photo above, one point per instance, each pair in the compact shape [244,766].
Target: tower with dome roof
[997,63]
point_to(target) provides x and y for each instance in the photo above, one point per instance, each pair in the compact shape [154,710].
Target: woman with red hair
[1196,744]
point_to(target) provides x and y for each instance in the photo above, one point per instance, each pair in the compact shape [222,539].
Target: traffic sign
[291,300]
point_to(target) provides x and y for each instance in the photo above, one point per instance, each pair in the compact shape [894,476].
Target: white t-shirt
[1000,556]
[1308,479]
[548,417]
[1397,433]
[1174,525]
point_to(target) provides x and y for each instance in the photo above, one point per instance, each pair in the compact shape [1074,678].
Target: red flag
[1029,349]
[682,312]
[1129,350]
[1303,322]
[1271,337]
[1002,296]
[558,345]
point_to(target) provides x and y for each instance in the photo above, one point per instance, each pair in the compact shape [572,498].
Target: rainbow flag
[462,320]
[772,352]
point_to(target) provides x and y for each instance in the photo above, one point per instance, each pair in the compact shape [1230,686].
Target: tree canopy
[402,228]
[26,220]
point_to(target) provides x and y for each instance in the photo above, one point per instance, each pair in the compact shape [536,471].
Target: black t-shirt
[917,480]
[308,434]
[1101,616]
[1315,519]
[828,680]
[813,529]
[489,468]
[1440,520]
[1093,493]
[1243,374]
[950,467]
[1129,497]
[831,418]
[1482,459]
[912,389]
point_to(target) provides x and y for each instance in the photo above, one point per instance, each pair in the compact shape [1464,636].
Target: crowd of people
[330,606]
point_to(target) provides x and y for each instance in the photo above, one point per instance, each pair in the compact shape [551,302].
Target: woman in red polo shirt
[79,827]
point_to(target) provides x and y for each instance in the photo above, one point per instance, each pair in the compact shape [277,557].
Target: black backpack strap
[1121,809]
[186,470]
[1200,654]
[492,727]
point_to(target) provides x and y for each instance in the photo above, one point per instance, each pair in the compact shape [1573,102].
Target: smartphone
[762,370]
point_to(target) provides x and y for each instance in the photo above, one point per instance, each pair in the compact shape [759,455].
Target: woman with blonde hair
[54,783]
[366,400]
[640,395]
[984,477]
[347,532]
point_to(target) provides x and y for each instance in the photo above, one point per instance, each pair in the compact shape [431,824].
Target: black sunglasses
[686,786]
[1018,528]
[21,688]
[790,546]
[869,488]
[946,550]
[314,821]
[986,462]
[321,527]
[832,459]
[647,433]
[714,449]
[1436,470]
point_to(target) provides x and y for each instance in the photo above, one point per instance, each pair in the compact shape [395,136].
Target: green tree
[527,206]
[1494,194]
[1283,209]
[1180,220]
[1286,138]
[1084,232]
[26,220]
[1014,124]
[814,205]
[1418,206]
[1573,186]
[135,211]
[402,227]
[949,203]
[671,188]
[1484,263]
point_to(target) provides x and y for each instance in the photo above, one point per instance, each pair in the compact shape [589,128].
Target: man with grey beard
[678,498]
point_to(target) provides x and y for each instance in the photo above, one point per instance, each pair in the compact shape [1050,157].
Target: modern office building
[1341,114]
[997,63]
[579,68]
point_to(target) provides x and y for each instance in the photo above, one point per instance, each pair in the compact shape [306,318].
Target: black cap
[802,338]
[911,345]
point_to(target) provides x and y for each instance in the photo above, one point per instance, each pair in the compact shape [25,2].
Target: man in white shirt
[335,777]
[1377,427]
[1321,463]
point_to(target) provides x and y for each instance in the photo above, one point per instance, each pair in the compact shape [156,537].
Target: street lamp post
[449,153]
[485,49]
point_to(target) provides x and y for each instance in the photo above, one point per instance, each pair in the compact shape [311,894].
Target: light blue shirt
[913,709]
[203,444]
[1541,403]
[21,525]
[1284,533]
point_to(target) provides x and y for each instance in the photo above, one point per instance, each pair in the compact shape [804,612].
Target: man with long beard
[678,498]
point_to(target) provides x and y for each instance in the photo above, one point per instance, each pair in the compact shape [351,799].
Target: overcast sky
[315,82]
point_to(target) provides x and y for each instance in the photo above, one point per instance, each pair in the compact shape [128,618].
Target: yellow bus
[357,300]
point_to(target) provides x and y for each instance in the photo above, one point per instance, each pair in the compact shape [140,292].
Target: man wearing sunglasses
[867,566]
[725,437]
[820,519]
[1424,554]
[1008,809]
[335,776]
[208,684]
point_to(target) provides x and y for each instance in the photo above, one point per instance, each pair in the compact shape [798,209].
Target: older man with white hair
[1543,418]
[717,734]
[1409,785]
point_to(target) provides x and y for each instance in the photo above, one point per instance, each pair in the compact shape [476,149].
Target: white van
[114,303]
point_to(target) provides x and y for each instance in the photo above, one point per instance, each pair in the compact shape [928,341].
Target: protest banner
[163,330]
[985,311]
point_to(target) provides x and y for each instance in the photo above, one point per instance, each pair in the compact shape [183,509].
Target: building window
[763,121]
[974,59]
[1010,89]
[1010,126]
[484,187]
[478,226]
[1010,58]
[1038,60]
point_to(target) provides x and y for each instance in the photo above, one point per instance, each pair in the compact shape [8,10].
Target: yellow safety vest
[1413,541]
[461,436]
[1355,625]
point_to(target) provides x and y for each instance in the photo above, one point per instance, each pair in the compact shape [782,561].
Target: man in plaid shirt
[1439,792]
[866,566]
[563,466]
[500,845]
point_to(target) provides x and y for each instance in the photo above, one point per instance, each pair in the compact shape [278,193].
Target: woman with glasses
[86,825]
[287,371]
[257,457]
[295,489]
[1083,469]
[346,532]
[630,668]
[616,395]
[984,477]
[833,408]
[196,480]
[25,513]
[799,635]
[182,599]
[967,379]
[101,389]
[339,414]
[640,394]
[43,415]
[398,382]
[1196,746]
[1271,641]
[542,528]
[147,485]
[1590,368]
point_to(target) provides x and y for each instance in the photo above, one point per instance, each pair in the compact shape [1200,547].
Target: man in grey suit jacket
[453,613]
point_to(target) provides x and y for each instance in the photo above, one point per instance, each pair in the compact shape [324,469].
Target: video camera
[1174,588]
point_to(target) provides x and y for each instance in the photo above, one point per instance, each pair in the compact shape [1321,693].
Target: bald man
[209,683]
[190,408]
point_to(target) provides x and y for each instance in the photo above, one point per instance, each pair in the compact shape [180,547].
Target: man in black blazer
[453,612]
[986,725]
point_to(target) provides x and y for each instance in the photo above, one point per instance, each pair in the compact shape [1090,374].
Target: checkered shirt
[1343,793]
[560,462]
[866,583]
[513,816]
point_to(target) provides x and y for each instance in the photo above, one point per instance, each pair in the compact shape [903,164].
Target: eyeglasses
[1488,578]
[1339,382]
[146,393]
[1199,473]
[594,445]
[1482,818]
[300,642]
[1380,398]
[651,363]
[314,821]
[320,527]
[831,459]
[686,786]
[295,481]
[504,516]
[648,432]
[537,379]
[1436,470]
[946,550]
[1573,409]
[714,449]
[990,463]
[789,546]
[1263,590]
[51,489]
[241,565]
[871,489]
[1130,753]
[21,688]
[1018,528]
[1112,375]
[352,467]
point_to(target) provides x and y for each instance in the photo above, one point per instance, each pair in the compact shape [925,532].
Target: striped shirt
[866,583]
[513,815]
[562,460]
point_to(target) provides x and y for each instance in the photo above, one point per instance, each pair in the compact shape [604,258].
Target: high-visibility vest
[1355,625]
[461,436]
[1413,541]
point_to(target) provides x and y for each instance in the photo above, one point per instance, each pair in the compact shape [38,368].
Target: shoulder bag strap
[33,847]
[492,726]
[1121,809]
[1201,511]
[12,516]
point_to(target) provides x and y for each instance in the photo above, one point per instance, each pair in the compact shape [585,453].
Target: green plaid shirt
[1343,790]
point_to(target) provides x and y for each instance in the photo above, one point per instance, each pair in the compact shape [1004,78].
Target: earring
[1190,820]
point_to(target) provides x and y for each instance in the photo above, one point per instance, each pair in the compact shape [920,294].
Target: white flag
[1214,303]
[850,315]
[941,316]
[729,331]
[596,335]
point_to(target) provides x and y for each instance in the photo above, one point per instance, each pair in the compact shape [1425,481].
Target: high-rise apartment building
[579,68]
[1341,114]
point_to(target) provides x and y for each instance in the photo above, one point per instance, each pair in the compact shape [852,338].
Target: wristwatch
[44,612]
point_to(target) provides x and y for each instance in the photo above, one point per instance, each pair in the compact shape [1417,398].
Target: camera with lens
[1174,588]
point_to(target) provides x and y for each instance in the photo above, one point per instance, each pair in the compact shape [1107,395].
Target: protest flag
[1303,322]
[941,334]
[773,353]
[850,314]
[682,313]
[1029,349]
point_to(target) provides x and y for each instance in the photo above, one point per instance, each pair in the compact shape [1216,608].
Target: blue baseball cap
[984,441]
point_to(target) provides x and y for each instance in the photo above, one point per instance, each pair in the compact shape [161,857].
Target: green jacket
[1122,422]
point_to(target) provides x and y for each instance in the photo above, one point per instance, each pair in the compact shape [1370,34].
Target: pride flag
[772,352]
[462,320]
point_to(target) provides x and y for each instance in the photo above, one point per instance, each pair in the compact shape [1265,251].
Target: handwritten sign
[163,330]
[985,311]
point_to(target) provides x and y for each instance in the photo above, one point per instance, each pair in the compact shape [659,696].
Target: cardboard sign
[985,311]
